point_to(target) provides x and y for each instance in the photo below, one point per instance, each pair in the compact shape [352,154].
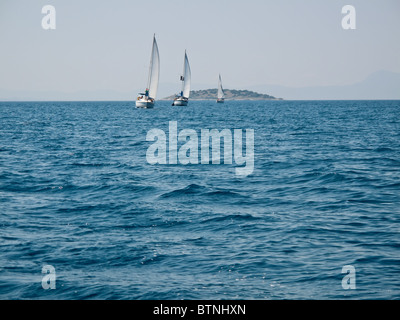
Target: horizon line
[272,100]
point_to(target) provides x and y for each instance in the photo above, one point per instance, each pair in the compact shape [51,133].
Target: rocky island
[211,94]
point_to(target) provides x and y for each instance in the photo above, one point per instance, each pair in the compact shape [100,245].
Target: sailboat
[147,99]
[221,94]
[182,98]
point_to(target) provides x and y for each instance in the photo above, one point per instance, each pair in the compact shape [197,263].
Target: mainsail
[154,73]
[186,78]
[221,94]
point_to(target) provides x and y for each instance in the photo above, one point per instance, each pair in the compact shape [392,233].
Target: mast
[186,77]
[154,70]
[221,94]
[151,64]
[183,74]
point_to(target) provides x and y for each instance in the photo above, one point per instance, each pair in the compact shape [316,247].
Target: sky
[105,45]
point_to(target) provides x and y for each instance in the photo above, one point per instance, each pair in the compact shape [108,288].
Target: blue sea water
[77,193]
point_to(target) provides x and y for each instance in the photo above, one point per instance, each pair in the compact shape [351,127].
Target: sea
[84,215]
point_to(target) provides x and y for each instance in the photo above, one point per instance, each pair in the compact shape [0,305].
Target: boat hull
[144,104]
[181,103]
[220,101]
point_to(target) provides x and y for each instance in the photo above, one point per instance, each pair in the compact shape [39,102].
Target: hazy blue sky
[105,45]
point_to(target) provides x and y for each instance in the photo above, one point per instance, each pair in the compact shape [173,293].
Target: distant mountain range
[381,85]
[211,94]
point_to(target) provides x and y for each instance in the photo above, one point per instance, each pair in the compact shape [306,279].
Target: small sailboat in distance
[147,100]
[221,94]
[182,98]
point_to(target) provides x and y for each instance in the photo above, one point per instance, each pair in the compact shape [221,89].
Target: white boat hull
[144,104]
[181,102]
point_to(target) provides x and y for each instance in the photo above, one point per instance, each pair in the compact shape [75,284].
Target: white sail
[154,73]
[186,78]
[221,94]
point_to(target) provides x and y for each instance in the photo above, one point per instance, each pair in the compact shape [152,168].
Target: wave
[191,189]
[232,218]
